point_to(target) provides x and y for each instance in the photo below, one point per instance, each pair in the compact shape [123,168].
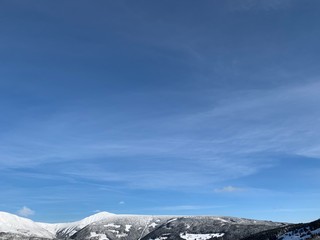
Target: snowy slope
[300,234]
[68,229]
[208,227]
[10,223]
[301,231]
[124,227]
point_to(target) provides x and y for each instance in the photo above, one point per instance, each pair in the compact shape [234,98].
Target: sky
[160,107]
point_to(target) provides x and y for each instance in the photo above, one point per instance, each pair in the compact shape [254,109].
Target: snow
[160,238]
[299,234]
[153,225]
[223,220]
[94,218]
[112,225]
[120,235]
[191,236]
[99,235]
[171,220]
[113,231]
[128,227]
[72,227]
[10,223]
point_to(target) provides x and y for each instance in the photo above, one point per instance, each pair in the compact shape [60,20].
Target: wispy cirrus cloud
[229,189]
[226,142]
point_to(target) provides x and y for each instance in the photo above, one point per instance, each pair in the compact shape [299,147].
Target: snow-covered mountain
[305,231]
[207,227]
[108,226]
[128,227]
[12,224]
[122,227]
[63,230]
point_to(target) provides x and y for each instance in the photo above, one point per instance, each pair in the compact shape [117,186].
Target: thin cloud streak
[229,189]
[256,124]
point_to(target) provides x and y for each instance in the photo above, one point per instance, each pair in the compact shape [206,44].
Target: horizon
[160,108]
[123,214]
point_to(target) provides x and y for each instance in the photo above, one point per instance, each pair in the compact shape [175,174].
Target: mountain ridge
[109,226]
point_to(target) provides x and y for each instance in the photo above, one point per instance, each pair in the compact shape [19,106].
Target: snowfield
[191,236]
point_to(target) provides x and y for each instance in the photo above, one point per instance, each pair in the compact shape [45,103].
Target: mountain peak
[96,217]
[103,213]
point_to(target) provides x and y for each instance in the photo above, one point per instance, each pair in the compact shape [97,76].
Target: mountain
[13,225]
[302,231]
[128,227]
[205,227]
[108,226]
[121,227]
[65,230]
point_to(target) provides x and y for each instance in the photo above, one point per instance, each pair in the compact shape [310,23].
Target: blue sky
[160,107]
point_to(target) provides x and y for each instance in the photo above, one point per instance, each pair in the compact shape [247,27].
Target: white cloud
[121,202]
[229,189]
[25,212]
